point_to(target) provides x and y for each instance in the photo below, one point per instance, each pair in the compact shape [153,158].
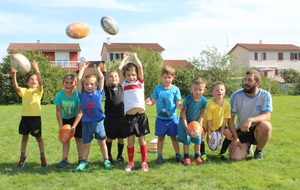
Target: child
[135,120]
[90,94]
[167,98]
[217,114]
[31,112]
[194,107]
[68,111]
[114,112]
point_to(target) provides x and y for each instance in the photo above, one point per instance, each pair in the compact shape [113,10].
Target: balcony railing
[66,64]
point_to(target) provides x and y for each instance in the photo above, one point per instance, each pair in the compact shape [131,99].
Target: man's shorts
[32,125]
[247,137]
[113,127]
[92,130]
[166,127]
[135,125]
[185,138]
[78,130]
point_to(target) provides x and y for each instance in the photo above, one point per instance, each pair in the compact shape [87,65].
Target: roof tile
[44,46]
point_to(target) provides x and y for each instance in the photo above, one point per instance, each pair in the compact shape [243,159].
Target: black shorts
[113,127]
[247,137]
[32,125]
[135,125]
[78,130]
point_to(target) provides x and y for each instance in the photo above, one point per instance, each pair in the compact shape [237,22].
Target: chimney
[108,41]
[38,41]
[260,41]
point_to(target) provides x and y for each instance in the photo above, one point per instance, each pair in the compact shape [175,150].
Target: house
[271,59]
[63,54]
[176,63]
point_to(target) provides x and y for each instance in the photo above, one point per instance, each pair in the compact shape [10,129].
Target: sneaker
[145,166]
[107,164]
[198,160]
[204,158]
[159,160]
[81,166]
[22,162]
[112,162]
[44,162]
[187,161]
[258,155]
[121,160]
[250,149]
[223,156]
[179,159]
[129,166]
[62,163]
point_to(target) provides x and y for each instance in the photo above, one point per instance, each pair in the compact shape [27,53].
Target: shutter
[255,56]
[264,56]
[298,56]
[265,73]
[276,71]
[291,56]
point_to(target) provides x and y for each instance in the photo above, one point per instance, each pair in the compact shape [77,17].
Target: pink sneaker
[198,160]
[187,161]
[129,166]
[145,166]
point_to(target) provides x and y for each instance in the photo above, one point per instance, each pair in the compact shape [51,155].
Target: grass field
[278,170]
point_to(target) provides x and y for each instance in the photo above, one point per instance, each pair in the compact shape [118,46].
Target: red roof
[129,46]
[44,47]
[176,63]
[267,46]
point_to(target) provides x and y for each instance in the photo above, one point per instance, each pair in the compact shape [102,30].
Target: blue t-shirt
[166,101]
[193,108]
[91,105]
[69,106]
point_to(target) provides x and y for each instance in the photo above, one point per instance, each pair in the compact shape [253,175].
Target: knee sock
[197,154]
[144,152]
[225,145]
[202,147]
[108,145]
[186,155]
[120,150]
[130,152]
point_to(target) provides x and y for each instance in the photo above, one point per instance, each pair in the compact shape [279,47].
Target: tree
[292,76]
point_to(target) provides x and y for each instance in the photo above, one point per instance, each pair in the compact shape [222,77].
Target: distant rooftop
[44,47]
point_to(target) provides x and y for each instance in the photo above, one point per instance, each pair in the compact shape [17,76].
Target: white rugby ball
[216,140]
[109,25]
[20,63]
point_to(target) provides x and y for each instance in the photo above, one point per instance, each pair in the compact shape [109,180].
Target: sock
[144,152]
[186,155]
[178,155]
[42,154]
[108,145]
[202,147]
[66,158]
[257,151]
[197,154]
[105,158]
[225,145]
[160,156]
[130,152]
[23,154]
[84,160]
[79,158]
[120,150]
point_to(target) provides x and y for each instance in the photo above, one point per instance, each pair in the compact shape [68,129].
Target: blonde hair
[89,76]
[199,81]
[216,84]
[168,70]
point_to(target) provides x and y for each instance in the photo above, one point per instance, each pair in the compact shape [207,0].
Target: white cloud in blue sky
[183,28]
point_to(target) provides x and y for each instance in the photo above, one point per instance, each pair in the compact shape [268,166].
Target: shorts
[113,127]
[166,127]
[32,125]
[135,125]
[185,138]
[78,130]
[92,130]
[247,137]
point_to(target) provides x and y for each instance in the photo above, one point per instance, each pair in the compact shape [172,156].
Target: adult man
[253,107]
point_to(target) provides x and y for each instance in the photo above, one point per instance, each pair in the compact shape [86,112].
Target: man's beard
[250,90]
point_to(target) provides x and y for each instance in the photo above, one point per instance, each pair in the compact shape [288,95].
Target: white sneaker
[129,166]
[250,149]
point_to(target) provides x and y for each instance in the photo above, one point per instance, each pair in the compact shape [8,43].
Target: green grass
[279,169]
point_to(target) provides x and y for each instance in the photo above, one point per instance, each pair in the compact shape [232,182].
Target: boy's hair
[70,76]
[168,70]
[257,76]
[89,76]
[199,81]
[130,66]
[216,84]
[27,80]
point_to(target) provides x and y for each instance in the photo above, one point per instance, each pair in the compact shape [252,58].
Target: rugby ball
[77,30]
[216,140]
[65,133]
[20,63]
[194,129]
[109,25]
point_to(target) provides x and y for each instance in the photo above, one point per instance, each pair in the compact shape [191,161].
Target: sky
[183,28]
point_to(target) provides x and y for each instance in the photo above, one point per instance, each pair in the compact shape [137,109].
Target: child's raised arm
[80,75]
[14,79]
[122,63]
[35,66]
[139,65]
[101,77]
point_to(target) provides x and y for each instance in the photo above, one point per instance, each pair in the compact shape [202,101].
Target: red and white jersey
[133,95]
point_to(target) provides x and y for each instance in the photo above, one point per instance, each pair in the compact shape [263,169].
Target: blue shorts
[92,130]
[166,127]
[185,138]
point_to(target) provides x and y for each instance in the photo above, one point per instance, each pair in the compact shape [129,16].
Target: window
[278,71]
[117,56]
[295,56]
[111,56]
[260,56]
[280,56]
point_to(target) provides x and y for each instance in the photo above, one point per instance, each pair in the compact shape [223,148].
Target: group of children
[82,109]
